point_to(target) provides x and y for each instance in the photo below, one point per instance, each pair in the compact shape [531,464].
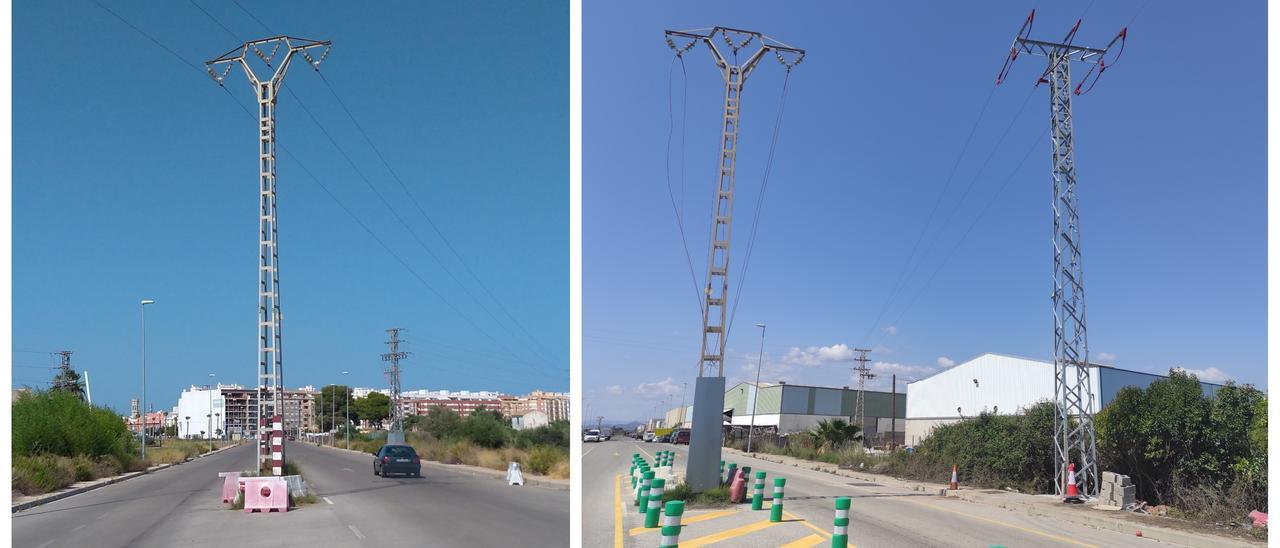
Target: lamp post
[188,426]
[683,390]
[210,415]
[142,305]
[217,419]
[333,416]
[346,410]
[755,397]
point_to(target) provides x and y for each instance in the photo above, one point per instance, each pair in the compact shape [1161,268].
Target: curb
[95,484]
[1151,531]
[562,485]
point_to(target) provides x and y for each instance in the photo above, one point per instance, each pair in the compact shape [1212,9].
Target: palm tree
[836,432]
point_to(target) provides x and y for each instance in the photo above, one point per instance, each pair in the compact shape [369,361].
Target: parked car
[397,459]
[606,435]
[682,438]
[591,435]
[648,437]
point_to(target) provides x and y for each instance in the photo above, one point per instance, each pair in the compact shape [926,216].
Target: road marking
[104,515]
[326,499]
[643,451]
[45,544]
[1005,524]
[353,529]
[348,469]
[731,533]
[806,542]
[79,527]
[685,521]
[806,523]
[617,511]
[588,451]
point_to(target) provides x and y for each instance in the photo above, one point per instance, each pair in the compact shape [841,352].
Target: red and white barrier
[277,445]
[265,494]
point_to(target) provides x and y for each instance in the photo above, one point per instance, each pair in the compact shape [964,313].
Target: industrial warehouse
[996,383]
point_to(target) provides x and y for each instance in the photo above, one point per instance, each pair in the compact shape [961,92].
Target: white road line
[588,451]
[45,544]
[326,499]
[104,515]
[348,469]
[79,527]
[353,529]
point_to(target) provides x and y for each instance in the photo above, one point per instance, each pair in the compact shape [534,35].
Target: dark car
[682,438]
[397,459]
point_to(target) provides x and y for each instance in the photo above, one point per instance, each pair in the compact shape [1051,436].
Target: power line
[395,176]
[684,109]
[308,172]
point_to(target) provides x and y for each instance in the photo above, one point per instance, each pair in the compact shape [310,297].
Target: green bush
[543,458]
[59,423]
[486,429]
[42,474]
[1203,455]
[555,434]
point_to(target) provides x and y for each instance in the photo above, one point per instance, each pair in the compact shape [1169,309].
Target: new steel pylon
[1074,436]
[270,363]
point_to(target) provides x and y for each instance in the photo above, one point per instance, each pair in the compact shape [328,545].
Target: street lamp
[756,395]
[346,410]
[217,419]
[142,305]
[188,426]
[683,390]
[210,415]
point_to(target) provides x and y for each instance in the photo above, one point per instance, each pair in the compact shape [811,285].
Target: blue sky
[1171,165]
[134,178]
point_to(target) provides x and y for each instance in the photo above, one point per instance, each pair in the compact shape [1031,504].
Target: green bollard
[721,471]
[840,538]
[757,492]
[654,503]
[671,524]
[643,496]
[775,512]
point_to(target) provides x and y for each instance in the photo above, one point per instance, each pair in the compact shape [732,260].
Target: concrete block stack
[1116,491]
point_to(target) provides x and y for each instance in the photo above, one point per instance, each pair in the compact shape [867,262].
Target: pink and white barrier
[265,494]
[230,486]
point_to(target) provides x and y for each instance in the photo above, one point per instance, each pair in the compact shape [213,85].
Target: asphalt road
[881,515]
[180,506]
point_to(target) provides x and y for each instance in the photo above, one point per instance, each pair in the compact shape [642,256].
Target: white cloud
[881,349]
[890,329]
[818,355]
[1212,374]
[613,389]
[1106,357]
[663,387]
[902,370]
[944,361]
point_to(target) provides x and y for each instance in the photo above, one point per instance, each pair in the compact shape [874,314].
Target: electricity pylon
[265,89]
[396,433]
[864,373]
[704,442]
[1073,388]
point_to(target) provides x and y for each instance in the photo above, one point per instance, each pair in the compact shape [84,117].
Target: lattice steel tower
[860,405]
[265,89]
[1074,436]
[396,433]
[704,444]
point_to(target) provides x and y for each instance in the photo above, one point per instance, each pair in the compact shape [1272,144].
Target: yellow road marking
[806,523]
[1005,524]
[617,511]
[685,521]
[731,533]
[806,542]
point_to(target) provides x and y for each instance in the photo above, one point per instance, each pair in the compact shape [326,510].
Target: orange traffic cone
[955,483]
[1073,492]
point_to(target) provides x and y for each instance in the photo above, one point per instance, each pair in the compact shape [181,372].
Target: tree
[375,407]
[440,421]
[330,406]
[67,380]
[835,433]
[486,428]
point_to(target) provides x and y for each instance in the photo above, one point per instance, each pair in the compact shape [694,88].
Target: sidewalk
[501,475]
[23,502]
[1152,527]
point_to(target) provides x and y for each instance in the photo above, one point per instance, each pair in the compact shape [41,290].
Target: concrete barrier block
[1124,481]
[1109,477]
[266,494]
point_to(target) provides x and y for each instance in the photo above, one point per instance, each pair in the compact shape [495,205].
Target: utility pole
[1073,389]
[893,413]
[265,90]
[708,403]
[864,373]
[88,395]
[599,422]
[396,433]
[66,378]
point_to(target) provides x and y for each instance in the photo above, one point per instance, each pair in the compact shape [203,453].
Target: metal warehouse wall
[1004,382]
[1111,380]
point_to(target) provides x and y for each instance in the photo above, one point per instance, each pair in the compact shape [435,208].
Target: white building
[194,406]
[532,419]
[995,383]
